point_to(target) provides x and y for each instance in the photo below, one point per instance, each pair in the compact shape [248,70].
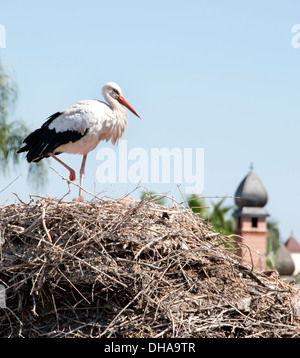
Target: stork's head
[112,92]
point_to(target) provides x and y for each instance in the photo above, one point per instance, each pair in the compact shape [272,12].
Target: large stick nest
[115,268]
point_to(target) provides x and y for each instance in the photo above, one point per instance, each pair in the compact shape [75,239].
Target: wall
[252,243]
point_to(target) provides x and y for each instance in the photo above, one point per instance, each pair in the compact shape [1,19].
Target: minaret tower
[250,221]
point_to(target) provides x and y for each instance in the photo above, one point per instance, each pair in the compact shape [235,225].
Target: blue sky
[218,75]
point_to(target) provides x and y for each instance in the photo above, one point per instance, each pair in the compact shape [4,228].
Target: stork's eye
[116,92]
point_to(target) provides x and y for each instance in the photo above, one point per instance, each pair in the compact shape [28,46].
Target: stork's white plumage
[79,128]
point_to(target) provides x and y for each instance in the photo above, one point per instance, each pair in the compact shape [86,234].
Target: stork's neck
[118,110]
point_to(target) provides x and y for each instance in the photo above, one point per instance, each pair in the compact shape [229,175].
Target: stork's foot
[127,201]
[80,199]
[42,201]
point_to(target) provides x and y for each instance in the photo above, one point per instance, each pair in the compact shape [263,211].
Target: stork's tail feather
[35,140]
[32,146]
[43,141]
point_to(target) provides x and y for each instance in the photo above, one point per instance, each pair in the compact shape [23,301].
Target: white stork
[79,128]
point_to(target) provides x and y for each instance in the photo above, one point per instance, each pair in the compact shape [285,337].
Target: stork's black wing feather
[43,141]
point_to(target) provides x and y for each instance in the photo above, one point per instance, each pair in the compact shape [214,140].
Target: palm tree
[273,237]
[12,133]
[197,204]
[219,218]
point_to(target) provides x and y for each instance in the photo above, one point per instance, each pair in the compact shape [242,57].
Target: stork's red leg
[82,171]
[72,176]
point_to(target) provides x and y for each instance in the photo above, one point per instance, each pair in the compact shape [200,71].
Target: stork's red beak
[125,103]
